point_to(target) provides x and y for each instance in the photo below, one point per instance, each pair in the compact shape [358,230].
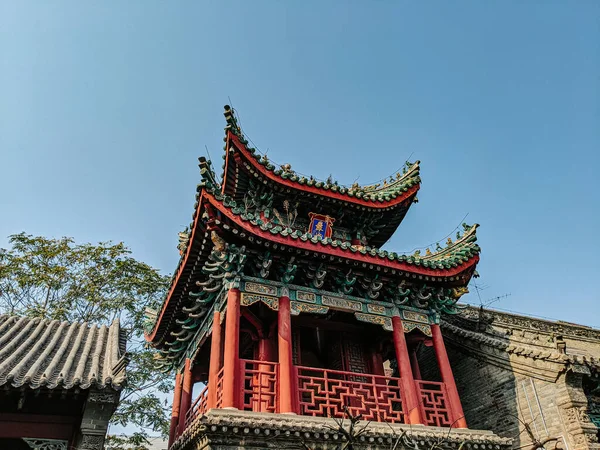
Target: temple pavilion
[286,308]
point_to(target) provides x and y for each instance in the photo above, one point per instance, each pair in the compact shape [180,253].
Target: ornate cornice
[534,324]
[230,427]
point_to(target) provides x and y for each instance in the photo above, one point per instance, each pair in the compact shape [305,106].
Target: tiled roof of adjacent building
[40,353]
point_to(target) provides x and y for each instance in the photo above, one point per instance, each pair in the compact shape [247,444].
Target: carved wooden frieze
[415,316]
[385,322]
[46,444]
[376,309]
[249,299]
[307,297]
[341,303]
[260,288]
[422,327]
[297,308]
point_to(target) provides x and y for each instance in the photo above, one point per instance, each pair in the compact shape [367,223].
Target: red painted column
[448,378]
[175,410]
[411,400]
[414,363]
[186,394]
[377,363]
[231,356]
[286,368]
[215,361]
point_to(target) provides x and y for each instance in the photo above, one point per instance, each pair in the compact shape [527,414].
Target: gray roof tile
[48,353]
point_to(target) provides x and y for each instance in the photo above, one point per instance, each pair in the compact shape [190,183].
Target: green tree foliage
[60,279]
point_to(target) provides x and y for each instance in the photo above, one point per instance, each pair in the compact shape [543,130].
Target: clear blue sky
[105,107]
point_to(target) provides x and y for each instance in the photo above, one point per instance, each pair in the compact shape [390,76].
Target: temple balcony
[261,360]
[331,393]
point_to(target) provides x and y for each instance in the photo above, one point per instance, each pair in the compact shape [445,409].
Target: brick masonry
[522,378]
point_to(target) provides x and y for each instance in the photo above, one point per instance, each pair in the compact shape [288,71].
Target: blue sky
[105,107]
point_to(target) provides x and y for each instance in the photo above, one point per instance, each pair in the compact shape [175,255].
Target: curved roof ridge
[370,196]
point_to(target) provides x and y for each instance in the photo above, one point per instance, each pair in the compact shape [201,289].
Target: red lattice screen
[326,393]
[435,408]
[259,385]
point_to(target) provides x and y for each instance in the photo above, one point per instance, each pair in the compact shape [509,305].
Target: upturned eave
[388,197]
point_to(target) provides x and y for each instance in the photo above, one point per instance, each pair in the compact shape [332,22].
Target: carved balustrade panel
[328,393]
[435,408]
[259,385]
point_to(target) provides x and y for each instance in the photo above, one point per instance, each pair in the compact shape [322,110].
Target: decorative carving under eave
[372,286]
[91,442]
[250,299]
[298,307]
[316,275]
[46,444]
[287,272]
[224,264]
[263,264]
[385,322]
[103,397]
[184,239]
[438,299]
[345,282]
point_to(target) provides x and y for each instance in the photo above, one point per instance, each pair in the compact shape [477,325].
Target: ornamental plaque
[297,308]
[377,309]
[341,303]
[260,288]
[308,297]
[320,225]
[415,316]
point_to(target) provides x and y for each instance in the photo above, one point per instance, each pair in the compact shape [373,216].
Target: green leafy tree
[60,279]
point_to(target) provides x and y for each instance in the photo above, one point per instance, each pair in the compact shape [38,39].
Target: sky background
[105,108]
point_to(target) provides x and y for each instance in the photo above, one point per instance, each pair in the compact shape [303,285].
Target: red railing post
[242,384]
[286,374]
[232,350]
[458,417]
[215,361]
[265,353]
[411,399]
[186,394]
[176,408]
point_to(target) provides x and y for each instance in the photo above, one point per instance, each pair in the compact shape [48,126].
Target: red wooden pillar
[377,363]
[414,363]
[411,400]
[448,378]
[175,410]
[186,394]
[231,356]
[215,361]
[286,368]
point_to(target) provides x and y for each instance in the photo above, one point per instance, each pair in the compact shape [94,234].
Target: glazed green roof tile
[453,255]
[385,191]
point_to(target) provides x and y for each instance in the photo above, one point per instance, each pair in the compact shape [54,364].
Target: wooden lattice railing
[435,408]
[198,408]
[259,385]
[219,389]
[326,393]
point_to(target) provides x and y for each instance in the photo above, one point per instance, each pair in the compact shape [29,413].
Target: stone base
[229,430]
